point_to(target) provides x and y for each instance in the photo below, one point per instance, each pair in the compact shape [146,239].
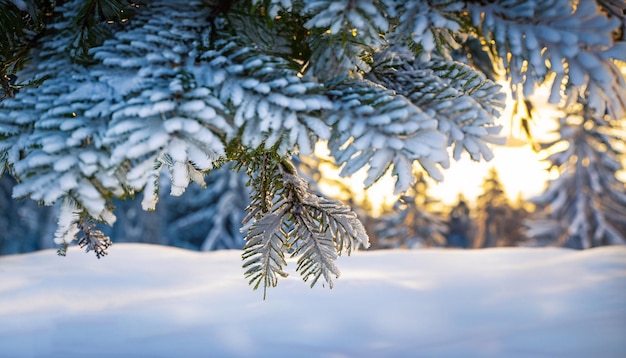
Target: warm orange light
[520,169]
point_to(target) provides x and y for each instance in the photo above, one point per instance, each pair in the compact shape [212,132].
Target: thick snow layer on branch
[164,302]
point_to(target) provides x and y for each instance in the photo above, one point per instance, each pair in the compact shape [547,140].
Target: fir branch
[263,253]
[265,226]
[266,31]
[427,27]
[536,39]
[373,126]
[94,24]
[20,27]
[337,221]
[285,216]
[322,229]
[467,80]
[271,104]
[463,100]
[62,250]
[345,34]
[93,240]
[68,219]
[12,30]
[316,251]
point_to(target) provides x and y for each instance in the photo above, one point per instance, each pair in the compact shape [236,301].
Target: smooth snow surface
[152,301]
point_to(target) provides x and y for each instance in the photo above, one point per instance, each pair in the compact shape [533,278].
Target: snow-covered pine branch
[58,152]
[162,115]
[536,38]
[286,217]
[263,253]
[75,224]
[374,127]
[333,219]
[344,34]
[463,101]
[429,26]
[183,87]
[271,105]
[93,239]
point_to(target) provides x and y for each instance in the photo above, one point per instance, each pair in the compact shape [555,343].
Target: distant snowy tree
[493,213]
[585,206]
[515,232]
[117,92]
[460,228]
[24,226]
[137,225]
[200,219]
[414,222]
[209,219]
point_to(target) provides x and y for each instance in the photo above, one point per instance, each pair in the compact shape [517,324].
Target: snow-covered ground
[152,301]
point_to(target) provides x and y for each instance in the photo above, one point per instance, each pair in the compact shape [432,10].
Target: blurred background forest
[210,219]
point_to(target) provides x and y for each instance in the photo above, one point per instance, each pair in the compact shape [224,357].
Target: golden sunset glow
[520,169]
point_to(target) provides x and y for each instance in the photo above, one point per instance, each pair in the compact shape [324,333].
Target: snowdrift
[152,301]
